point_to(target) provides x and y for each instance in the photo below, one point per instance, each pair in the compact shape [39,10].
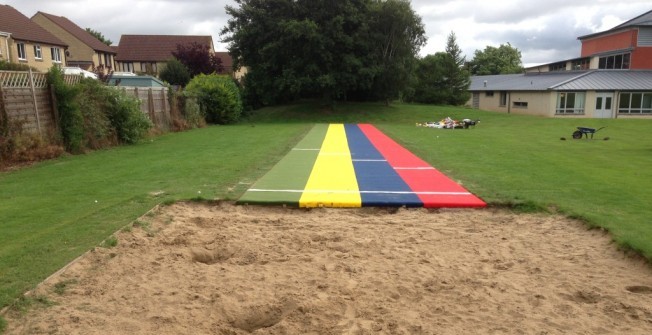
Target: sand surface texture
[225,269]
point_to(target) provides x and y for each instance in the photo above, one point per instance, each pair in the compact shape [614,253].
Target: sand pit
[225,269]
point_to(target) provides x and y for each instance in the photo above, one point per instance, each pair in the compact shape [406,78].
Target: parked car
[78,71]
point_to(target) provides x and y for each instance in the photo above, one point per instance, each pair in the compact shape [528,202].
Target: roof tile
[23,29]
[79,33]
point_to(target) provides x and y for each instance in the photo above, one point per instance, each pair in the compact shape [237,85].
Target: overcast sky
[544,31]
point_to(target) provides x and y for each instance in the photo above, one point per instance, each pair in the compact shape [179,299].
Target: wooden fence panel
[26,98]
[19,106]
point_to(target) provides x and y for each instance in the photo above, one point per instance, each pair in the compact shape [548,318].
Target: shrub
[218,98]
[175,73]
[93,102]
[123,111]
[71,120]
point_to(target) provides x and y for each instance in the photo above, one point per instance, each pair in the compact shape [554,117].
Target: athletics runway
[355,165]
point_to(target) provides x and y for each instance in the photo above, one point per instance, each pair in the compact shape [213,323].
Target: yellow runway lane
[332,182]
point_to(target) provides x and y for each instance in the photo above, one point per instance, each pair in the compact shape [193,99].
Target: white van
[78,71]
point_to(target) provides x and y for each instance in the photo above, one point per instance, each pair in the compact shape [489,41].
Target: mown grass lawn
[54,211]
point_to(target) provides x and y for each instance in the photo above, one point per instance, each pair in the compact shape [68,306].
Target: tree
[398,34]
[441,78]
[502,60]
[198,58]
[457,77]
[175,73]
[99,36]
[321,48]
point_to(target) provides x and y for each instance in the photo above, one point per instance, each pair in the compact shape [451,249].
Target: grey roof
[595,80]
[643,20]
[610,80]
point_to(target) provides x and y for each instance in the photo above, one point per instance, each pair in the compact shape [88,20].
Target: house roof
[594,80]
[79,33]
[155,48]
[643,20]
[227,60]
[23,29]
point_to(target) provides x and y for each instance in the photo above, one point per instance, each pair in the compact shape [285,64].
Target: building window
[56,55]
[561,66]
[37,52]
[489,93]
[635,103]
[614,62]
[520,104]
[107,61]
[581,64]
[570,103]
[22,55]
[503,98]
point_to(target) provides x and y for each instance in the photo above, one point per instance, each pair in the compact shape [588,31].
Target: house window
[570,103]
[503,98]
[37,52]
[614,62]
[22,55]
[107,60]
[520,104]
[489,93]
[635,103]
[56,55]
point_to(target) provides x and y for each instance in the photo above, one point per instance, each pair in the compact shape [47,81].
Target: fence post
[55,109]
[151,110]
[33,89]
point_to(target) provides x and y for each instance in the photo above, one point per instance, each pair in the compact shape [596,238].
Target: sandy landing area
[225,269]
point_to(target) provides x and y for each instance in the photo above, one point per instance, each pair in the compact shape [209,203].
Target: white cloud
[544,31]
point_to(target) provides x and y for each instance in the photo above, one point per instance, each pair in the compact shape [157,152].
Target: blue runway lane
[378,182]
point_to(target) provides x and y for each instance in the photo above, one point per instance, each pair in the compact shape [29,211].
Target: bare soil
[223,269]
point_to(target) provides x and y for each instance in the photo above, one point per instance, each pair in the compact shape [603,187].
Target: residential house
[84,50]
[25,42]
[147,54]
[612,78]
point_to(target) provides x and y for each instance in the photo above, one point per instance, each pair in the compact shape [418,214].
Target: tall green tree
[99,36]
[398,35]
[502,60]
[457,77]
[321,48]
[442,78]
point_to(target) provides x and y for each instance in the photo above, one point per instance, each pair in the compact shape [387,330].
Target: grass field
[54,211]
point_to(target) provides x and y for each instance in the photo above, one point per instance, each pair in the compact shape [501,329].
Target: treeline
[341,50]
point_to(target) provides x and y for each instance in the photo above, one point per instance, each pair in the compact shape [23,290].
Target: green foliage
[397,34]
[193,114]
[3,324]
[7,66]
[175,73]
[218,97]
[349,49]
[99,36]
[128,121]
[92,100]
[71,120]
[441,78]
[502,60]
[110,242]
[110,115]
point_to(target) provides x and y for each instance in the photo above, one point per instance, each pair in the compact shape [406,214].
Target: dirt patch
[225,269]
